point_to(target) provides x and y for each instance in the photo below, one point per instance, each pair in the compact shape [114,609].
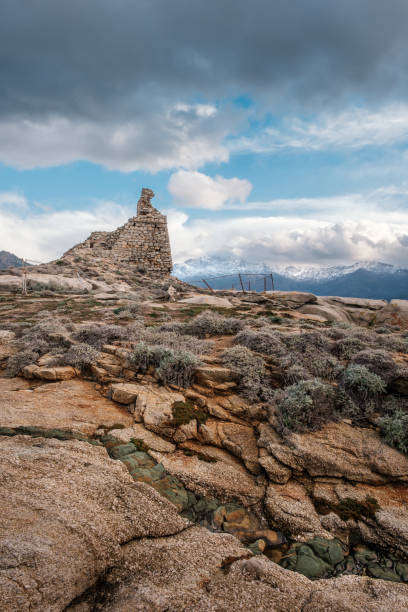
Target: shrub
[394,429]
[306,406]
[347,347]
[209,323]
[263,341]
[305,341]
[394,343]
[382,330]
[80,356]
[98,335]
[337,333]
[17,362]
[178,368]
[142,357]
[44,335]
[295,373]
[251,370]
[177,342]
[377,361]
[361,384]
[321,364]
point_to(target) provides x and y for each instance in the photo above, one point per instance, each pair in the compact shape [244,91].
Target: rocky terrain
[168,448]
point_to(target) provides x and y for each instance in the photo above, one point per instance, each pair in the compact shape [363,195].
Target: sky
[270,130]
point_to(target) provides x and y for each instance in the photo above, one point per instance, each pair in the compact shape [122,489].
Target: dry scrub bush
[306,406]
[322,364]
[44,336]
[17,362]
[394,429]
[377,361]
[295,373]
[365,389]
[348,347]
[178,368]
[176,341]
[262,341]
[98,335]
[252,372]
[305,341]
[209,323]
[80,356]
[172,367]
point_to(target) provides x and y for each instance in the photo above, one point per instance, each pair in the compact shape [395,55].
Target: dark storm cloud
[126,58]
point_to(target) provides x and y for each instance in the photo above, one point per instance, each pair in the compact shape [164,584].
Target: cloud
[46,236]
[374,226]
[351,129]
[138,85]
[184,135]
[12,199]
[197,190]
[280,240]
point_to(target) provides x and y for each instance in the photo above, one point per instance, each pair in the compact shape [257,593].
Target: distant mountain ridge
[368,279]
[8,260]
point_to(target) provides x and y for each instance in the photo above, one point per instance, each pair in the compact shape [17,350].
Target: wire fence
[237,281]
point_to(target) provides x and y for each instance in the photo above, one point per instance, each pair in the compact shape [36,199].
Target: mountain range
[368,279]
[8,260]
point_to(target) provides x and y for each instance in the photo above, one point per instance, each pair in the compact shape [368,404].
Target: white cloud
[351,129]
[197,190]
[183,135]
[12,199]
[46,236]
[374,227]
[289,240]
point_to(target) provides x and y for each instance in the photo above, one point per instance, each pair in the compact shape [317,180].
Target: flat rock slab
[66,509]
[354,302]
[72,404]
[210,300]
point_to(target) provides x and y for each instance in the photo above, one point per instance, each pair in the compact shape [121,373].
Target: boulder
[290,510]
[215,377]
[351,302]
[58,282]
[139,432]
[154,408]
[341,451]
[276,471]
[65,520]
[124,393]
[48,372]
[238,439]
[294,299]
[326,312]
[226,479]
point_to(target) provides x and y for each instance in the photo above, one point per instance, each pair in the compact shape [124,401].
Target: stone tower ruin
[142,241]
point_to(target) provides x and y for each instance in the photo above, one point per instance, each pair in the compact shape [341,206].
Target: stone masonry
[143,241]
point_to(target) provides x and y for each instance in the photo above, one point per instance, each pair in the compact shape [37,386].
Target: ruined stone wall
[143,241]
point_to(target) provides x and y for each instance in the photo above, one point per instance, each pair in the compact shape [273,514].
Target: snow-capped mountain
[370,279]
[327,272]
[216,266]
